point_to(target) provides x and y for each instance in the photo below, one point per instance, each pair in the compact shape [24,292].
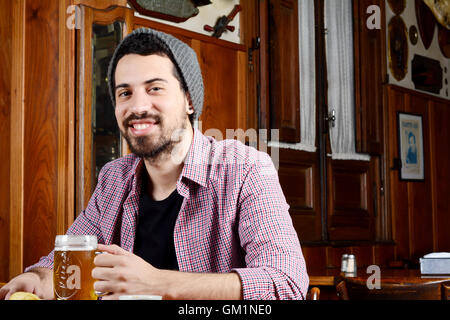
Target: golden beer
[73,264]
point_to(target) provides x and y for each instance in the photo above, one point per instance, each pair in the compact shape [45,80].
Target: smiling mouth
[142,127]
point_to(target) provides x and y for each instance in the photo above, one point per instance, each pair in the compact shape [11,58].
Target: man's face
[412,140]
[150,104]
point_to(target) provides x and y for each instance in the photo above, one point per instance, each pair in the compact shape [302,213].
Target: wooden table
[327,279]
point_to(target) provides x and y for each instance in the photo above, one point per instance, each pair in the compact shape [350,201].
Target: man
[184,216]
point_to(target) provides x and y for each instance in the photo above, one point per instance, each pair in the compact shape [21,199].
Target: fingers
[39,293]
[101,273]
[109,260]
[9,289]
[3,293]
[9,294]
[106,272]
[112,255]
[112,249]
[106,269]
[105,286]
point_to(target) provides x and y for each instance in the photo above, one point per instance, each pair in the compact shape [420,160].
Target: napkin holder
[435,263]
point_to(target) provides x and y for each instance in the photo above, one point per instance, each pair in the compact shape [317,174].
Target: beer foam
[80,248]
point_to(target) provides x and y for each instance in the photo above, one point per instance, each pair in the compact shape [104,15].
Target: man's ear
[189,106]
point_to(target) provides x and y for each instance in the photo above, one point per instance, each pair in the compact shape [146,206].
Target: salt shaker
[344,263]
[351,266]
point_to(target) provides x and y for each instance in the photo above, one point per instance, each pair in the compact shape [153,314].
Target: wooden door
[370,75]
[284,69]
[353,187]
[299,171]
[98,138]
[330,200]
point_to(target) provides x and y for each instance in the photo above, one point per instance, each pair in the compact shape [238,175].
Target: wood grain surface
[17,139]
[41,129]
[5,131]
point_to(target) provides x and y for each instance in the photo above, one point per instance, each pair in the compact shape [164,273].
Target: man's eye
[155,89]
[124,94]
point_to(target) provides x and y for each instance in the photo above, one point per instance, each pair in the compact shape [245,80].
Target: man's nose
[140,102]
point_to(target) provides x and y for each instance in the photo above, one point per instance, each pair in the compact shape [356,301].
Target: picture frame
[175,10]
[411,146]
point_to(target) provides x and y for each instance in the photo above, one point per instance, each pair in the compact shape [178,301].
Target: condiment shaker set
[348,265]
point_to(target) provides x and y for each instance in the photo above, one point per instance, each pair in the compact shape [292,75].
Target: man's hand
[38,281]
[120,272]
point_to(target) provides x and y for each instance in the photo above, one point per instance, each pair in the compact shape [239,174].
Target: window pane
[105,132]
[341,78]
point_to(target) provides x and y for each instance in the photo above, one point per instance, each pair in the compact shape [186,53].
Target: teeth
[141,126]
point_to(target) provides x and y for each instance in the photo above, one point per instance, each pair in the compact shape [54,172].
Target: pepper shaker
[351,266]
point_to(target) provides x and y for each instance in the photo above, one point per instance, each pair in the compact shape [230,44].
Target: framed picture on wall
[410,137]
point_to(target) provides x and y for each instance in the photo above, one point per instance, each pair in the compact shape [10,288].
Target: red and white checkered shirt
[234,217]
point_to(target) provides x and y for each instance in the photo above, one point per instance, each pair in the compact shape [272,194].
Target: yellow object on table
[23,296]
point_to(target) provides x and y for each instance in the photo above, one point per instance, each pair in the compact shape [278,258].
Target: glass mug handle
[99,293]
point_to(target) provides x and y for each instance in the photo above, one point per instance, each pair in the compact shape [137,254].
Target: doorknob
[331,118]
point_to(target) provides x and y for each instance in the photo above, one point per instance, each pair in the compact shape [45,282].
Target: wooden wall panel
[419,209]
[17,134]
[355,184]
[364,254]
[383,254]
[440,172]
[315,257]
[320,258]
[334,256]
[220,71]
[419,193]
[298,185]
[41,128]
[5,128]
[299,178]
[350,201]
[398,189]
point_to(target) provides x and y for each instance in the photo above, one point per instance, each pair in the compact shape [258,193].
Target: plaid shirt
[234,217]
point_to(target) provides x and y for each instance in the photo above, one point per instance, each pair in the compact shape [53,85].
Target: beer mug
[73,264]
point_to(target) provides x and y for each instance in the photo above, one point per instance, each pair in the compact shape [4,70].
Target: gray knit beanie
[182,56]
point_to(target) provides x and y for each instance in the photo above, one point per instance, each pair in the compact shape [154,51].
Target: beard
[153,147]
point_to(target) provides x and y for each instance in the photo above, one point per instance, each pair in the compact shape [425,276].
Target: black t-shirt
[154,232]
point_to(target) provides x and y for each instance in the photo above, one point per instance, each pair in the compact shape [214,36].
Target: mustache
[142,116]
